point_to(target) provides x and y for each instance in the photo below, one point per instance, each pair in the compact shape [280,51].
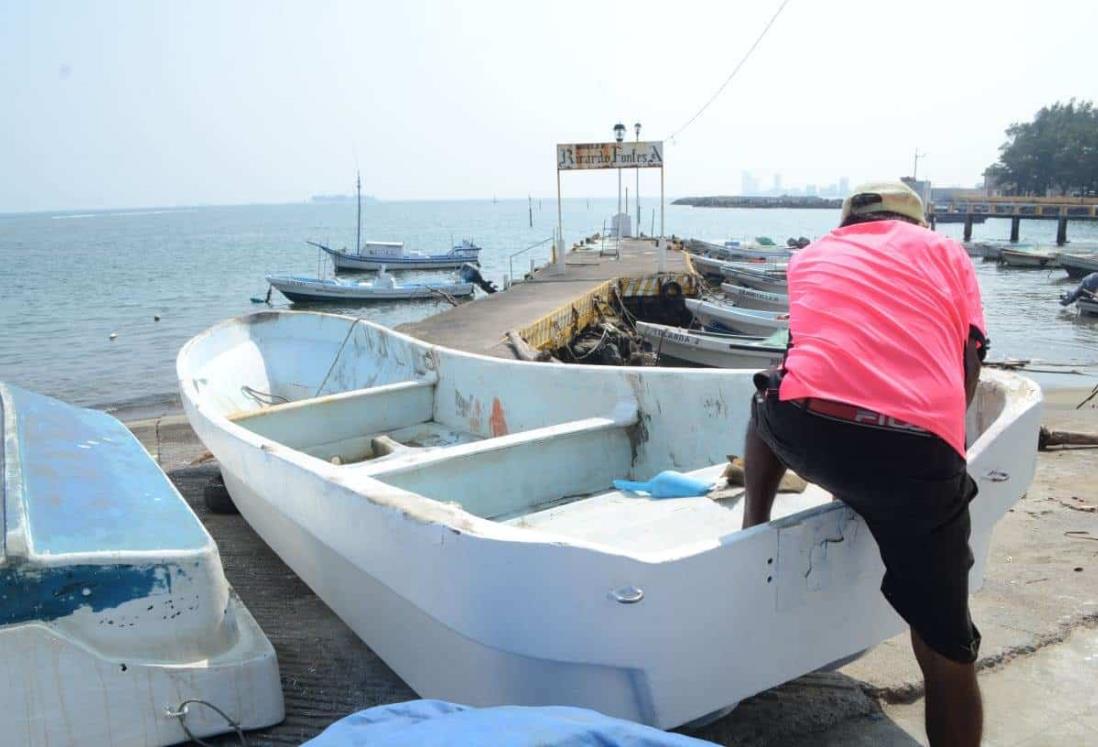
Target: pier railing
[511,259]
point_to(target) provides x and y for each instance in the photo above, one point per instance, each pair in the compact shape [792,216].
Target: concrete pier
[557,300]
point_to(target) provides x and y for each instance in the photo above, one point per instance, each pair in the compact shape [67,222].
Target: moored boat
[468,530]
[1078,265]
[115,609]
[304,289]
[373,255]
[769,280]
[752,298]
[712,349]
[1028,258]
[712,313]
[1087,306]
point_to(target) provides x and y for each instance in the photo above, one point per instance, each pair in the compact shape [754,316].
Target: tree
[1056,152]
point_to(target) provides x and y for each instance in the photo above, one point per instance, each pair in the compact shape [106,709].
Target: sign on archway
[585,156]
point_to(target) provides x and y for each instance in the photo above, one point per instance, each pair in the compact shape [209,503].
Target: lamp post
[637,191]
[619,135]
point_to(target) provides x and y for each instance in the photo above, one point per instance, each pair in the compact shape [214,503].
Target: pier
[556,301]
[1017,209]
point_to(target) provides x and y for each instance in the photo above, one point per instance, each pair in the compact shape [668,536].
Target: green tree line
[1056,153]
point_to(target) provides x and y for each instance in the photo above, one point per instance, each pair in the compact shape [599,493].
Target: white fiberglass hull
[366,262]
[456,559]
[1078,266]
[305,289]
[1013,258]
[743,321]
[769,282]
[752,298]
[708,349]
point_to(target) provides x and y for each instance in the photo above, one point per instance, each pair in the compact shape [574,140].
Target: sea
[94,305]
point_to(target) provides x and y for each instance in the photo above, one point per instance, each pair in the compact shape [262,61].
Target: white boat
[457,512]
[301,288]
[712,349]
[706,265]
[711,313]
[115,608]
[1078,265]
[769,280]
[1028,258]
[1088,307]
[373,255]
[751,298]
[739,251]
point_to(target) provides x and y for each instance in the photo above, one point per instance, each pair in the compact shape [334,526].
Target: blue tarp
[436,723]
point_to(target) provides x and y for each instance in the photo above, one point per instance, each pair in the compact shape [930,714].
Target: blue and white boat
[713,314]
[115,612]
[373,255]
[304,289]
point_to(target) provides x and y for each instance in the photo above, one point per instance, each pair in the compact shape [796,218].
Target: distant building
[777,183]
[844,186]
[920,187]
[749,184]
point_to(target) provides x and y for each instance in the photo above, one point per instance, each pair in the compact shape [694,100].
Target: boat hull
[759,323]
[1027,260]
[756,280]
[492,612]
[364,263]
[751,298]
[305,291]
[1078,266]
[1090,308]
[116,607]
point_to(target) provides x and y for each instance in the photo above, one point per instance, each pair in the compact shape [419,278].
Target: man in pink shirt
[887,335]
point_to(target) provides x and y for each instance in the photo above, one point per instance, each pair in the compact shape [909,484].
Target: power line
[732,75]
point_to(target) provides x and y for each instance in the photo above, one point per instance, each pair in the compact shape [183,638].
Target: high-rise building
[749,184]
[844,186]
[777,184]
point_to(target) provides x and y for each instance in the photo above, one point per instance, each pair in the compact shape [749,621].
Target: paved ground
[1037,613]
[481,327]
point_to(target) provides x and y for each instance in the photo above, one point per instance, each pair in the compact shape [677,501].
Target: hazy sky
[157,103]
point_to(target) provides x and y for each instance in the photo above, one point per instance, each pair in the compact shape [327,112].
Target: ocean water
[70,280]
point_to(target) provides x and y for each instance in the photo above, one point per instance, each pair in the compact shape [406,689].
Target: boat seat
[508,474]
[360,414]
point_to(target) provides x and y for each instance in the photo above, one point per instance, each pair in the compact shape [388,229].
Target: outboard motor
[471,274]
[1088,289]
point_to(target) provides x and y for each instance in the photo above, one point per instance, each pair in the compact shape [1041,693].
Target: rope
[184,708]
[263,398]
[339,352]
[598,346]
[735,70]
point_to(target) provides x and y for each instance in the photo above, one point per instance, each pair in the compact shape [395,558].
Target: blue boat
[115,611]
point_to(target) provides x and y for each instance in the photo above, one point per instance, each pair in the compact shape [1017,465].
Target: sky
[137,104]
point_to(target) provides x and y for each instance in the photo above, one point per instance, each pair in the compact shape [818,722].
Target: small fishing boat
[740,251]
[1028,258]
[714,349]
[116,612]
[751,298]
[1078,265]
[1087,306]
[706,265]
[769,280]
[373,255]
[305,289]
[458,512]
[724,316]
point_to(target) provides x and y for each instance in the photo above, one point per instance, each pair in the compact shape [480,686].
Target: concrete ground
[1038,612]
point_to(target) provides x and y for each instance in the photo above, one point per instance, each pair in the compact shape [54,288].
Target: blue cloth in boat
[436,723]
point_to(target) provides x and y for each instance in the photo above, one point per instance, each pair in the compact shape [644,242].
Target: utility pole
[358,220]
[637,191]
[530,207]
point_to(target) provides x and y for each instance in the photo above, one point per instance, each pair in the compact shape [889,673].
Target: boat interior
[557,478]
[465,435]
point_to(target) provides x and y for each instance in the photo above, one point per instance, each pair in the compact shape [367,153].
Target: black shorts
[912,490]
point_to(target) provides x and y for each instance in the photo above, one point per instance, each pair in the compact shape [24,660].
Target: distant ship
[341,198]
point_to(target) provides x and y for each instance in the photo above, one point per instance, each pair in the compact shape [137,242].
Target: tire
[217,498]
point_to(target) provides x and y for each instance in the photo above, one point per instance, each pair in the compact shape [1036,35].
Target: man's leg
[763,473]
[954,711]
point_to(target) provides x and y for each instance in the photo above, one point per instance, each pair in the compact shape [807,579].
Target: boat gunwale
[452,517]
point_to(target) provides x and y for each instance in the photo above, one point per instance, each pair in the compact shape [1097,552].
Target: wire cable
[735,70]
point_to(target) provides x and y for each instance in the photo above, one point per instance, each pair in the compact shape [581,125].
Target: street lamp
[637,191]
[619,135]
